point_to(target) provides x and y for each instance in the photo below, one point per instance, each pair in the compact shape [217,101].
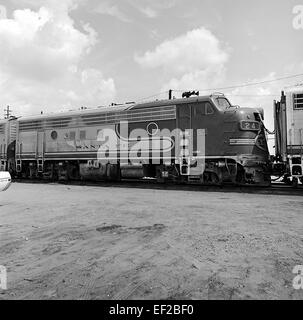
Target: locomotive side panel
[3,145]
[154,138]
[289,136]
[26,144]
[203,116]
[72,143]
[8,131]
[294,116]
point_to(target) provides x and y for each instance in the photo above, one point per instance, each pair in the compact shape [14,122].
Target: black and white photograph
[151,151]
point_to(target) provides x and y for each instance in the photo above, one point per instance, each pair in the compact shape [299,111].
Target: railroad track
[277,188]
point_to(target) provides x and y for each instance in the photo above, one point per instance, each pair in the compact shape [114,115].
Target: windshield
[222,103]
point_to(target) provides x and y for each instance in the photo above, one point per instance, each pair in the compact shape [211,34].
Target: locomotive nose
[5,180]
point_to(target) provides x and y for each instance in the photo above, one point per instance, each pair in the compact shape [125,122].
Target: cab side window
[198,110]
[208,108]
[184,112]
[202,109]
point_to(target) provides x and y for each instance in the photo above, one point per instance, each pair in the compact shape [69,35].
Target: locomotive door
[191,143]
[205,118]
[199,129]
[182,138]
[184,115]
[40,144]
[40,150]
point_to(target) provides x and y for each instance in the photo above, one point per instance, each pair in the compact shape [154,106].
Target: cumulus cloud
[123,10]
[151,8]
[2,12]
[41,51]
[190,61]
[107,8]
[149,12]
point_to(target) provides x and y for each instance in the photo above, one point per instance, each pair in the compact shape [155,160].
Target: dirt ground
[80,242]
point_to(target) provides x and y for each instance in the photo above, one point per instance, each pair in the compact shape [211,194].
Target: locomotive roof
[117,108]
[295,89]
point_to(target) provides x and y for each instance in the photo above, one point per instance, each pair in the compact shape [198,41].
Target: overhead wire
[249,84]
[243,85]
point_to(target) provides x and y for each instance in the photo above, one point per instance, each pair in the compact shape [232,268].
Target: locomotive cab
[244,140]
[235,148]
[250,143]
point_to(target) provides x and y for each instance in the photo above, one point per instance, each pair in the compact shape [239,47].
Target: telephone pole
[7,112]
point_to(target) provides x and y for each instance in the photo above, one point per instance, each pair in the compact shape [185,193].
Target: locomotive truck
[203,139]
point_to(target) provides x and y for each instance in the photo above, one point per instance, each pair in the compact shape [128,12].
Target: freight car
[288,116]
[202,139]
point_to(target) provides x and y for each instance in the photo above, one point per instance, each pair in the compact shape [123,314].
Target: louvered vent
[30,125]
[13,131]
[45,124]
[137,115]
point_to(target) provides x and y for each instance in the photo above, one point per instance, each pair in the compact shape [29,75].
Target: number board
[250,125]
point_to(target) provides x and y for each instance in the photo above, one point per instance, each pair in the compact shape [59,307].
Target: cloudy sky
[63,54]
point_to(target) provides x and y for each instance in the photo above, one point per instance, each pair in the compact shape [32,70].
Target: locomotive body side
[294,118]
[289,135]
[54,145]
[227,144]
[8,131]
[3,144]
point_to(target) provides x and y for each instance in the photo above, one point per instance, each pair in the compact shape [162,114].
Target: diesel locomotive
[201,139]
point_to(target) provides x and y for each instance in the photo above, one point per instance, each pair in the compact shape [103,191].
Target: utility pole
[7,112]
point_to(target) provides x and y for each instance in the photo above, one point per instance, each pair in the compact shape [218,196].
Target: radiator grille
[136,115]
[45,124]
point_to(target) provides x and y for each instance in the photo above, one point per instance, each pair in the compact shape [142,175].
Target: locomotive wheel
[211,178]
[215,179]
[240,177]
[295,181]
[73,172]
[286,180]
